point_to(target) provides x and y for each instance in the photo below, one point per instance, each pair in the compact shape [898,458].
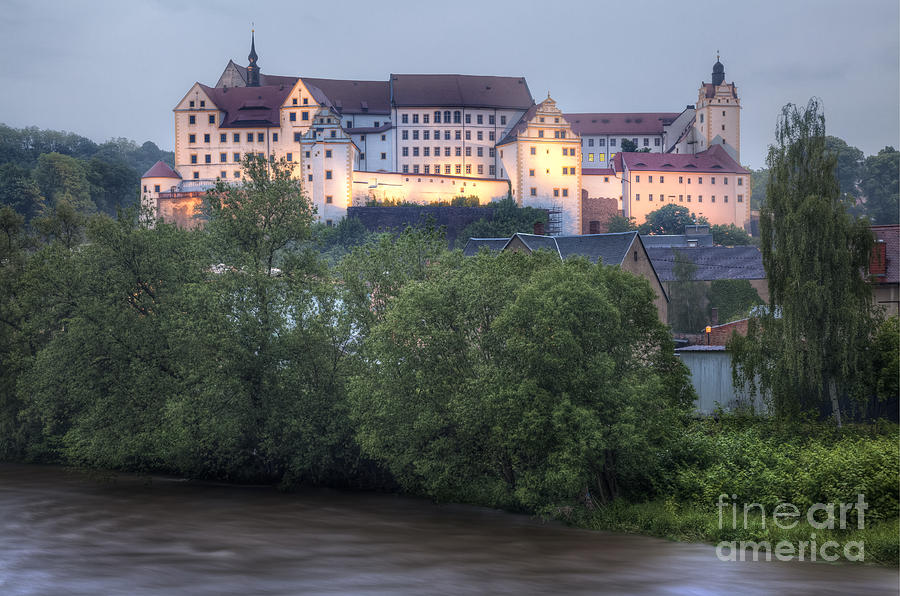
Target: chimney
[538,228]
[714,316]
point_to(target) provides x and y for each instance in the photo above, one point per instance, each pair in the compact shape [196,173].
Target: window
[202,103]
[492,170]
[425,119]
[491,136]
[740,181]
[196,175]
[192,103]
[534,151]
[297,137]
[681,180]
[437,117]
[602,143]
[304,115]
[458,169]
[405,169]
[726,198]
[491,152]
[681,198]
[503,120]
[458,152]
[416,134]
[565,171]
[156,188]
[362,155]
[446,135]
[656,142]
[590,142]
[192,138]
[447,119]
[637,197]
[689,198]
[328,153]
[305,101]
[555,192]
[223,157]
[206,138]
[531,172]
[646,142]
[650,178]
[468,167]
[383,155]
[447,152]
[404,135]
[650,198]
[712,199]
[740,198]
[662,179]
[426,135]
[491,119]
[237,173]
[637,178]
[290,157]
[309,177]
[404,118]
[426,151]
[565,192]
[260,137]
[723,127]
[612,143]
[383,137]
[457,117]
[192,119]
[479,119]
[292,116]
[701,118]
[415,118]
[634,140]
[601,157]
[468,135]
[447,168]
[458,135]
[223,138]
[480,152]
[712,180]
[274,137]
[699,179]
[540,134]
[533,191]
[480,169]
[480,135]
[212,118]
[306,155]
[327,174]
[405,151]
[236,156]
[194,158]
[437,151]
[236,137]
[329,223]
[223,174]
[468,152]
[249,137]
[294,100]
[606,178]
[699,198]
[415,152]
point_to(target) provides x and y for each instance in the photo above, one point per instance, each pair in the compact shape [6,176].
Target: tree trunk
[835,407]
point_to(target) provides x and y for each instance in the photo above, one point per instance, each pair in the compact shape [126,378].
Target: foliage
[521,381]
[880,185]
[507,220]
[849,164]
[687,297]
[669,219]
[886,359]
[629,146]
[620,223]
[730,235]
[759,182]
[813,253]
[733,298]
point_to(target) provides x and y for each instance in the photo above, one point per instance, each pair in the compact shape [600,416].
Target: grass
[689,523]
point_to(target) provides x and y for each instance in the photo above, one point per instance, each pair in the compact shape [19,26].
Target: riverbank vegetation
[238,353]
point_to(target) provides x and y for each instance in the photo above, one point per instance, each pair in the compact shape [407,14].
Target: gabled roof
[249,106]
[537,242]
[714,160]
[675,240]
[352,97]
[264,79]
[474,245]
[161,170]
[637,123]
[709,90]
[611,249]
[520,125]
[713,262]
[471,91]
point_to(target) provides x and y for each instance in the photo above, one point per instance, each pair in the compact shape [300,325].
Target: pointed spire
[252,66]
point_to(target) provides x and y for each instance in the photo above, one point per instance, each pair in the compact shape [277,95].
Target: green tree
[19,191]
[669,219]
[807,348]
[759,181]
[730,235]
[880,185]
[62,223]
[520,380]
[63,178]
[507,220]
[733,298]
[687,297]
[620,223]
[849,164]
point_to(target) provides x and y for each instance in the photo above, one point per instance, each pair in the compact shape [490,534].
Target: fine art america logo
[820,516]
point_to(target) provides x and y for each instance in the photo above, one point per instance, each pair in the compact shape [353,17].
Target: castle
[429,138]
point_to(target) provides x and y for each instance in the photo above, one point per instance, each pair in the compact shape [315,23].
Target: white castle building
[429,138]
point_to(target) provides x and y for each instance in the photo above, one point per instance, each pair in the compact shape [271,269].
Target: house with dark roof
[884,268]
[624,250]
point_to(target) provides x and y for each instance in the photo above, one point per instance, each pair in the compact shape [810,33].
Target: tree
[687,297]
[733,298]
[669,219]
[61,177]
[759,180]
[629,146]
[620,223]
[880,186]
[507,220]
[521,381]
[807,348]
[730,235]
[19,191]
[849,164]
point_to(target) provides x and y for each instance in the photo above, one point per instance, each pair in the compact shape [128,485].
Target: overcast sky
[116,68]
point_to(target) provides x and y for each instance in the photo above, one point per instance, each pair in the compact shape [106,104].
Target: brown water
[63,532]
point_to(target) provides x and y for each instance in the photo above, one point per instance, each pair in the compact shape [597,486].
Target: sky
[116,68]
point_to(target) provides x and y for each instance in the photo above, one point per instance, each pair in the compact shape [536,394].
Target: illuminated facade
[426,138]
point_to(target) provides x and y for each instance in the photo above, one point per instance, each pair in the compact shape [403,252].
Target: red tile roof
[352,97]
[598,172]
[889,237]
[161,170]
[715,159]
[637,123]
[246,107]
[427,90]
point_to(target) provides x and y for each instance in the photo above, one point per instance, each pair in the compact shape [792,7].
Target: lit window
[468,167]
[590,157]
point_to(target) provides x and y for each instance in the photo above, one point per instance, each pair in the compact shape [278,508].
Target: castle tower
[328,155]
[718,116]
[252,66]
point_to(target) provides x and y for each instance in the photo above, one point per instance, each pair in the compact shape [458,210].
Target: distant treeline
[39,168]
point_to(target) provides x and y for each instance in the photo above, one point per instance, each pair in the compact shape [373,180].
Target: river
[66,532]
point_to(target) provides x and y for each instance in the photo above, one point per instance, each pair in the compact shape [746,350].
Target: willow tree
[806,350]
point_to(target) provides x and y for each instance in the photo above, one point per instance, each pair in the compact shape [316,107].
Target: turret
[252,66]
